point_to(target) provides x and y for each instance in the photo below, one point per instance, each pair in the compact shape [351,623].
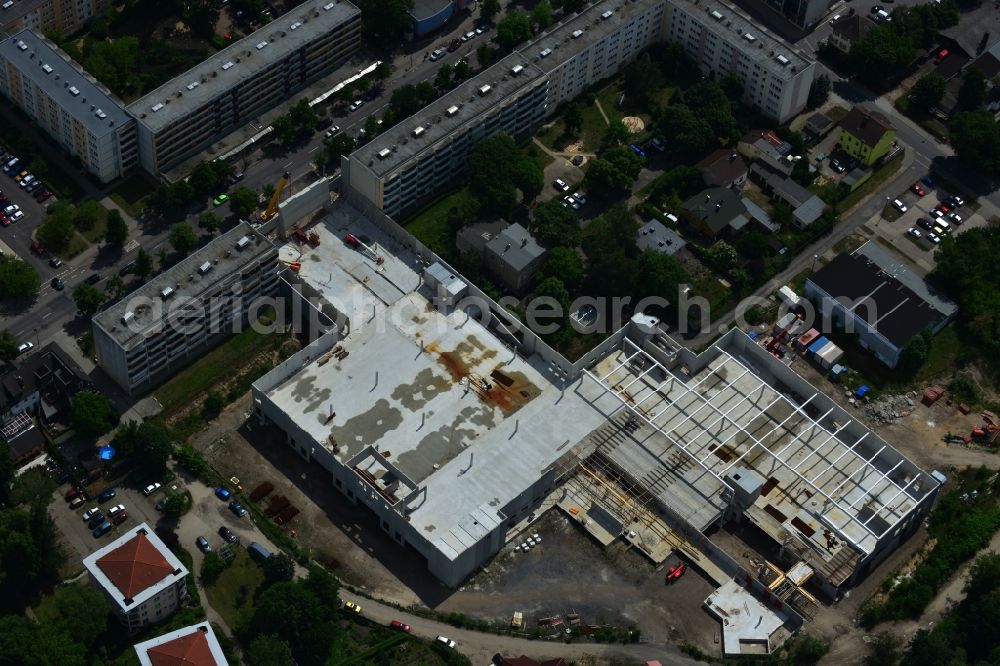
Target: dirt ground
[622,587]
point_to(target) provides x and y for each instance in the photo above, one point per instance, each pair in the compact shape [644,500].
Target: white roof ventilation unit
[750,38]
[261,45]
[716,14]
[157,106]
[74,91]
[516,69]
[166,293]
[384,153]
[243,243]
[783,60]
[606,15]
[544,53]
[417,131]
[577,34]
[193,85]
[205,267]
[483,90]
[452,110]
[227,65]
[127,317]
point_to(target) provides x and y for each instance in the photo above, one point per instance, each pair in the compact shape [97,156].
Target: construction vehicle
[300,235]
[361,246]
[775,343]
[272,205]
[675,572]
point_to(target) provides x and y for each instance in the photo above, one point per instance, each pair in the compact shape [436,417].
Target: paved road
[480,647]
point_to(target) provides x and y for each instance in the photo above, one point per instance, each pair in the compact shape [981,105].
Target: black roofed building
[719,212]
[885,302]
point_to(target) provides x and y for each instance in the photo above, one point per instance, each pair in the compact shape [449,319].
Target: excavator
[272,205]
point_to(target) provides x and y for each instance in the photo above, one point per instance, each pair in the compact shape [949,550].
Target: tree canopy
[928,91]
[8,346]
[513,28]
[183,237]
[18,279]
[116,231]
[881,54]
[976,138]
[92,414]
[243,202]
[555,225]
[615,170]
[386,21]
[88,299]
[498,169]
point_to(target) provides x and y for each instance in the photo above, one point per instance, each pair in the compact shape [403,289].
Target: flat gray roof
[185,280]
[730,23]
[17,11]
[65,81]
[595,23]
[434,120]
[904,273]
[241,61]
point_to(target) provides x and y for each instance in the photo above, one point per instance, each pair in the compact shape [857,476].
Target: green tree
[212,567]
[804,649]
[333,149]
[176,505]
[722,256]
[442,81]
[114,288]
[201,16]
[88,300]
[732,86]
[513,29]
[884,650]
[556,225]
[83,612]
[92,414]
[572,6]
[56,232]
[269,650]
[32,486]
[87,214]
[209,221]
[915,352]
[143,264]
[616,134]
[928,91]
[616,169]
[284,128]
[976,138]
[214,403]
[573,118]
[8,349]
[150,445]
[114,63]
[972,94]
[386,22]
[294,614]
[642,80]
[117,230]
[303,116]
[541,15]
[498,169]
[565,264]
[609,243]
[462,70]
[28,643]
[881,54]
[690,135]
[662,275]
[278,568]
[18,279]
[7,473]
[488,9]
[243,202]
[819,91]
[183,237]
[372,127]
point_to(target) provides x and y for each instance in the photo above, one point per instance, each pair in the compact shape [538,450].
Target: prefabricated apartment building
[451,423]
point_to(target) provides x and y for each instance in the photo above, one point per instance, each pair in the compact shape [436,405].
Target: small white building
[142,579]
[189,646]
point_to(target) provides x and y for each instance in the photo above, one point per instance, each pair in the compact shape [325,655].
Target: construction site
[457,429]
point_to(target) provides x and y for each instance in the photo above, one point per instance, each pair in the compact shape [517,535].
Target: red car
[4,220]
[944,207]
[675,572]
[73,492]
[916,189]
[43,196]
[396,624]
[119,518]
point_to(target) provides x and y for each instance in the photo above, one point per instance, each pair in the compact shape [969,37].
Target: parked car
[927,180]
[454,46]
[569,202]
[899,205]
[106,495]
[27,180]
[924,223]
[151,488]
[237,508]
[955,218]
[352,607]
[469,35]
[356,104]
[119,518]
[836,165]
[25,347]
[941,55]
[16,216]
[202,544]
[333,131]
[437,54]
[945,206]
[58,284]
[90,513]
[221,199]
[580,197]
[227,535]
[933,237]
[102,529]
[916,189]
[34,187]
[73,493]
[914,232]
[446,641]
[222,493]
[116,509]
[44,196]
[55,262]
[637,150]
[675,572]
[93,278]
[77,502]
[560,185]
[396,624]
[96,520]
[126,269]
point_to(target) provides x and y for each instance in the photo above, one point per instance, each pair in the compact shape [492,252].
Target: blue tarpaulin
[862,391]
[106,452]
[753,336]
[818,344]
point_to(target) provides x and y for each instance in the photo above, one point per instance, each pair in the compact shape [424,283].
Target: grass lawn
[890,213]
[97,233]
[609,97]
[836,113]
[594,128]
[214,367]
[430,226]
[131,194]
[77,244]
[232,594]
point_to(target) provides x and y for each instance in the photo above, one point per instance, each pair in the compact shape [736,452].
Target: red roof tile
[188,650]
[135,566]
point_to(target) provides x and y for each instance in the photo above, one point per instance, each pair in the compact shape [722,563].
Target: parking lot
[206,516]
[893,226]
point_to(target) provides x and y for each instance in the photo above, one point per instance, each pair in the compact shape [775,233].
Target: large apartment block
[594,45]
[78,112]
[244,80]
[65,16]
[424,154]
[176,317]
[776,80]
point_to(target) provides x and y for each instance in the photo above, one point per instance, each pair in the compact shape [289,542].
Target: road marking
[287,165]
[48,314]
[313,150]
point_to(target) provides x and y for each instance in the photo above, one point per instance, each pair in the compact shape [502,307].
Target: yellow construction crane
[272,205]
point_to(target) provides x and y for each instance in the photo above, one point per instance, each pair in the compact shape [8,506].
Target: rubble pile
[888,409]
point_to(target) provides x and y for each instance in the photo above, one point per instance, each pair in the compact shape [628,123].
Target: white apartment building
[66,16]
[142,579]
[411,162]
[77,111]
[776,80]
[180,314]
[594,45]
[244,80]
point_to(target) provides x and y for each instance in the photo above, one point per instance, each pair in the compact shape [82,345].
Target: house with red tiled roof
[189,646]
[141,578]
